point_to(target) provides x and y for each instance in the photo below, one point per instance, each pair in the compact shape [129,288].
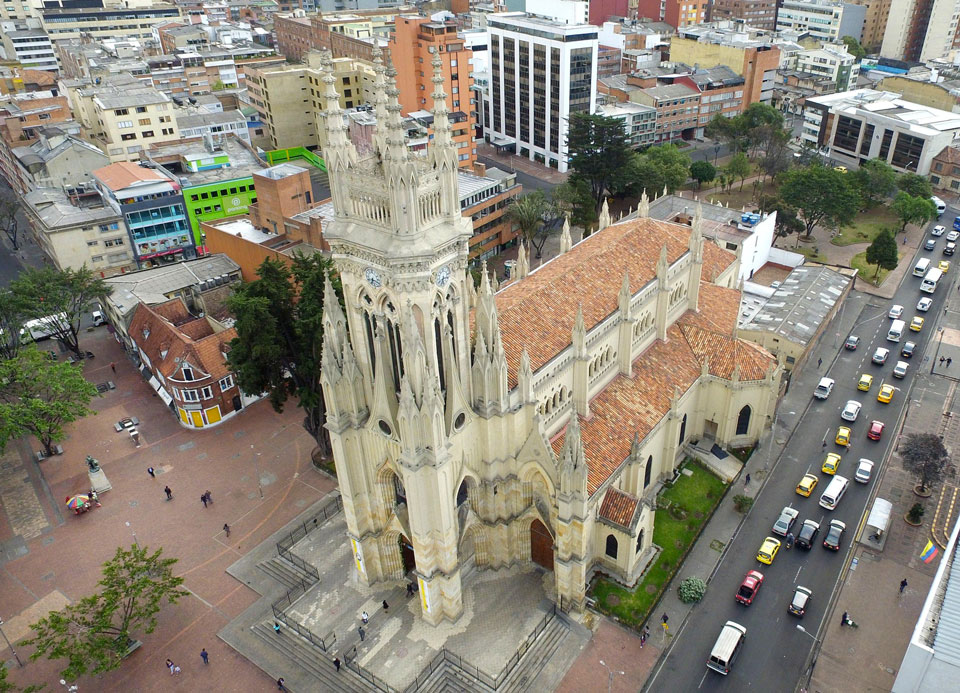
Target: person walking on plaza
[336,663]
[280,686]
[203,499]
[226,528]
[166,489]
[643,639]
[276,627]
[365,617]
[362,633]
[151,473]
[385,605]
[903,585]
[170,666]
[204,656]
[746,481]
[844,618]
[113,366]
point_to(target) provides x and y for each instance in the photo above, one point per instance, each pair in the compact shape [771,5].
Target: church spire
[565,241]
[379,98]
[523,264]
[339,154]
[573,465]
[443,151]
[394,141]
[604,220]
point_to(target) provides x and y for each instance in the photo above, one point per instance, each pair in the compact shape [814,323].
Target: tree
[854,48]
[528,212]
[883,252]
[916,185]
[575,198]
[41,396]
[10,324]
[702,172]
[8,219]
[10,687]
[923,454]
[774,142]
[739,167]
[821,195]
[62,296]
[279,323]
[913,210]
[94,634]
[728,130]
[672,164]
[598,153]
[876,180]
[787,221]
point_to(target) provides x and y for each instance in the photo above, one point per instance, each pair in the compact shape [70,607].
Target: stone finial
[604,220]
[523,263]
[565,241]
[643,209]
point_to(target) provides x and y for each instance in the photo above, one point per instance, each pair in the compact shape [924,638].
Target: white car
[953,235]
[900,370]
[864,470]
[923,305]
[895,311]
[938,230]
[787,517]
[851,410]
[880,355]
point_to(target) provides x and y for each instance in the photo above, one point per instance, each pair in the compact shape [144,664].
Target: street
[775,653]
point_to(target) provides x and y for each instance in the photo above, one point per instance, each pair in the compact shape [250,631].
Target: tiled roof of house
[619,508]
[170,328]
[124,174]
[948,155]
[538,313]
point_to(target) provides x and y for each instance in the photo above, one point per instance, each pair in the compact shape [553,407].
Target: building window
[207,392]
[141,109]
[226,383]
[189,396]
[144,121]
[96,258]
[648,471]
[147,133]
[128,137]
[743,421]
[187,373]
[611,549]
[92,243]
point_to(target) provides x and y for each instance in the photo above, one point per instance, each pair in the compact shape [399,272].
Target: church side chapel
[479,428]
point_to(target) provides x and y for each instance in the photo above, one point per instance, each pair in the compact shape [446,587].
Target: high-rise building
[874,23]
[31,47]
[415,41]
[676,13]
[925,29]
[761,14]
[541,72]
[826,20]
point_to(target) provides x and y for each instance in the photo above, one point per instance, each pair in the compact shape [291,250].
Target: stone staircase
[284,572]
[311,660]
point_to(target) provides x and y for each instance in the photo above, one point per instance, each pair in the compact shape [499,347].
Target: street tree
[876,180]
[913,210]
[738,167]
[528,212]
[924,455]
[727,130]
[61,297]
[915,184]
[854,48]
[598,153]
[96,632]
[787,221]
[702,172]
[883,252]
[672,164]
[821,195]
[774,147]
[575,198]
[11,321]
[279,323]
[8,220]
[41,396]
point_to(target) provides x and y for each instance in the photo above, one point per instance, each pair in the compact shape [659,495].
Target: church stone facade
[481,427]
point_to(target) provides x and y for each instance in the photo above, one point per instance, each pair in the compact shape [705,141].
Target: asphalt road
[775,651]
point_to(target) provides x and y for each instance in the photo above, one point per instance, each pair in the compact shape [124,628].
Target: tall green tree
[575,198]
[94,633]
[528,212]
[787,221]
[8,220]
[876,180]
[731,131]
[41,397]
[913,210]
[11,322]
[775,154]
[925,455]
[279,323]
[854,48]
[702,172]
[883,252]
[738,167]
[915,184]
[598,153]
[672,163]
[821,195]
[61,296]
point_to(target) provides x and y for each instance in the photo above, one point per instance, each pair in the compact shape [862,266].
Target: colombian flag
[929,552]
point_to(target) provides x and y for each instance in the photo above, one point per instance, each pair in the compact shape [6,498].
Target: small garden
[866,226]
[682,510]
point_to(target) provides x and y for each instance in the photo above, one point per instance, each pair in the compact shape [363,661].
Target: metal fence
[378,683]
[308,525]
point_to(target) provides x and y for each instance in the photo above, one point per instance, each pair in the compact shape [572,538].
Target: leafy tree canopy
[574,197]
[876,180]
[913,210]
[787,220]
[924,455]
[821,195]
[883,252]
[531,213]
[914,184]
[738,167]
[854,48]
[10,323]
[598,153]
[702,172]
[662,166]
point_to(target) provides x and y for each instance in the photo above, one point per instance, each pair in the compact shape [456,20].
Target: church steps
[311,660]
[536,658]
[283,572]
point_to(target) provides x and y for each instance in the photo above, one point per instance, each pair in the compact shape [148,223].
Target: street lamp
[716,153]
[15,655]
[933,361]
[807,633]
[611,672]
[134,533]
[256,466]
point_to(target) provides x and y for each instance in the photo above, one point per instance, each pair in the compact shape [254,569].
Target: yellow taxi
[768,550]
[944,266]
[843,436]
[841,169]
[831,464]
[886,393]
[807,484]
[916,324]
[866,380]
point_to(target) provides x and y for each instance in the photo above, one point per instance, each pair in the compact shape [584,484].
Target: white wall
[566,11]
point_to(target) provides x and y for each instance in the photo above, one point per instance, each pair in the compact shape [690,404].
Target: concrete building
[56,160]
[175,37]
[863,124]
[721,93]
[603,10]
[78,230]
[822,19]
[945,170]
[630,36]
[23,115]
[832,62]
[195,123]
[639,121]
[151,205]
[414,43]
[944,94]
[133,18]
[31,47]
[294,35]
[761,14]
[676,13]
[677,107]
[924,29]
[874,23]
[541,73]
[563,11]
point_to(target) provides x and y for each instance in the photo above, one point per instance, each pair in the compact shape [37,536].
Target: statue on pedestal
[93,464]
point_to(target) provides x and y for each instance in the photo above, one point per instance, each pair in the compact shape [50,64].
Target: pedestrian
[942,359]
[95,497]
[643,640]
[166,489]
[664,618]
[203,499]
[949,361]
[824,443]
[280,684]
[361,632]
[336,663]
[204,656]
[365,617]
[209,496]
[409,589]
[151,473]
[176,670]
[226,528]
[276,627]
[170,666]
[385,605]
[819,363]
[843,619]
[903,585]
[646,631]
[113,366]
[746,481]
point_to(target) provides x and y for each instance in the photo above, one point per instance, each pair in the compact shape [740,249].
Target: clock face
[443,276]
[372,277]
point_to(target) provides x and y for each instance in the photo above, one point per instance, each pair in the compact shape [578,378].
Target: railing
[378,683]
[307,526]
[279,155]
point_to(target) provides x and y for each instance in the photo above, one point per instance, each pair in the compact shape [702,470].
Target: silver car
[850,410]
[864,471]
[787,517]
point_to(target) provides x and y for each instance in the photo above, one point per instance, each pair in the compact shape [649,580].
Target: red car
[876,430]
[749,588]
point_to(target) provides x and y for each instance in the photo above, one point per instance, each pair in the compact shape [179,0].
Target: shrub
[915,514]
[742,503]
[692,590]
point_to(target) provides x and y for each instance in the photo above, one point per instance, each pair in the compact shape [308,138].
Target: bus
[930,281]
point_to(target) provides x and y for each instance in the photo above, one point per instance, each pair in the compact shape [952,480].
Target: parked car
[801,599]
[834,535]
[864,470]
[787,517]
[749,587]
[808,533]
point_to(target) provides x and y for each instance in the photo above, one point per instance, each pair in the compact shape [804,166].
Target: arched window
[462,494]
[683,430]
[640,541]
[611,546]
[743,421]
[399,493]
[648,471]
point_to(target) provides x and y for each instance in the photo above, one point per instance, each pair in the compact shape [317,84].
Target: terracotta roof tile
[948,155]
[619,507]
[124,174]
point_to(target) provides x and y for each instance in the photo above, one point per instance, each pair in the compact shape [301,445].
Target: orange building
[415,40]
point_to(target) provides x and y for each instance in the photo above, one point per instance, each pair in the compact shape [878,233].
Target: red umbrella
[78,502]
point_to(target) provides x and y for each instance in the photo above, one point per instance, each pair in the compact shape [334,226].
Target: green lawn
[869,272]
[811,253]
[681,511]
[866,226]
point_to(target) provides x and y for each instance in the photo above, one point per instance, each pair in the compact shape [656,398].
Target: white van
[941,205]
[920,269]
[727,647]
[896,331]
[930,281]
[834,492]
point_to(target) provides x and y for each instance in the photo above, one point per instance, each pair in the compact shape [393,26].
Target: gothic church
[477,428]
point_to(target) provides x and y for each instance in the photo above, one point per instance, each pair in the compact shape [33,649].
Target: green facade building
[212,201]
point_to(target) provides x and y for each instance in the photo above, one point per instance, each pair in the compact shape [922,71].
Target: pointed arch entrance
[407,554]
[541,545]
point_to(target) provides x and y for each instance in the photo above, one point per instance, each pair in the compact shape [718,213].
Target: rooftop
[521,20]
[53,207]
[920,118]
[157,285]
[243,162]
[281,171]
[126,174]
[670,91]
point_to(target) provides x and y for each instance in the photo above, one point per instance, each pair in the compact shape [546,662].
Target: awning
[880,514]
[164,396]
[154,383]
